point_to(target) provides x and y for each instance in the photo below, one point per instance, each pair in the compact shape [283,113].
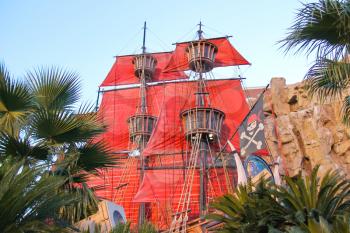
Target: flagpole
[262,93]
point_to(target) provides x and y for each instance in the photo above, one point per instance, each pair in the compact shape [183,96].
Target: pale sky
[84,35]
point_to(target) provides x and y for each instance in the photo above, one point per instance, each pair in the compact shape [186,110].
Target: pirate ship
[169,120]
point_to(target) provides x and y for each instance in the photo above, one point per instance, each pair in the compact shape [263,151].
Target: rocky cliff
[307,132]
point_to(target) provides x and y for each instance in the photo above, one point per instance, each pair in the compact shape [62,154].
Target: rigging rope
[179,222]
[124,180]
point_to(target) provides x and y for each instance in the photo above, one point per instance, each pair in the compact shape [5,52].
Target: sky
[84,35]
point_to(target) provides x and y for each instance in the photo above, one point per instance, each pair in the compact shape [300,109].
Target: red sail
[167,147]
[117,106]
[160,185]
[227,55]
[118,187]
[115,109]
[122,71]
[168,136]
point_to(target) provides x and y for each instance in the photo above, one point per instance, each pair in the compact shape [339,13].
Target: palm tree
[340,225]
[250,209]
[121,228]
[323,28]
[307,204]
[310,201]
[39,125]
[29,200]
[147,227]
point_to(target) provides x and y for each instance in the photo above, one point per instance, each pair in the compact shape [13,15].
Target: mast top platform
[144,64]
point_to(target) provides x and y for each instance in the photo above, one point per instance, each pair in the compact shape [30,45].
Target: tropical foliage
[146,227]
[29,198]
[121,228]
[47,149]
[323,29]
[302,205]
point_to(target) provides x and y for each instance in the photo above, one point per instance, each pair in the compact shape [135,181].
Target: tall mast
[142,142]
[200,32]
[141,124]
[143,98]
[204,145]
[144,38]
[201,57]
[201,83]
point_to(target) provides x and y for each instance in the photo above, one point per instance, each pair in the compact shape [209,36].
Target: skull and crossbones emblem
[253,128]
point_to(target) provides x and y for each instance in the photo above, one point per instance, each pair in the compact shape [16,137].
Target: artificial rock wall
[309,133]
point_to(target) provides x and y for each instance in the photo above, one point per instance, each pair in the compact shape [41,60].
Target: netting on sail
[122,71]
[170,153]
[168,136]
[117,106]
[227,55]
[159,185]
[122,183]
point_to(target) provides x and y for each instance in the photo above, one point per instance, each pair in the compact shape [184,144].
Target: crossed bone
[258,144]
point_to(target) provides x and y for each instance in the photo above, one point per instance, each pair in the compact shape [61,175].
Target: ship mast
[141,124]
[204,146]
[143,103]
[202,128]
[207,121]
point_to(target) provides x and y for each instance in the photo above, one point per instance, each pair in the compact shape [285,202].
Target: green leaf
[54,88]
[15,103]
[322,27]
[93,156]
[29,196]
[21,148]
[346,111]
[328,79]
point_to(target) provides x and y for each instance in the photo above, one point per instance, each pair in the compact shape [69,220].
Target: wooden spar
[98,98]
[132,86]
[185,42]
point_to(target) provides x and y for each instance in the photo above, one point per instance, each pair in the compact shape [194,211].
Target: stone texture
[308,133]
[279,96]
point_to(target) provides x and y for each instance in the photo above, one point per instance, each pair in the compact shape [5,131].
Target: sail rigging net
[122,71]
[227,55]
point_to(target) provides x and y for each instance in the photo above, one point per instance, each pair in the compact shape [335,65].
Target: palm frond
[249,210]
[327,79]
[57,127]
[346,110]
[92,122]
[311,198]
[322,27]
[86,206]
[304,204]
[93,156]
[147,227]
[29,196]
[54,88]
[341,224]
[15,102]
[21,148]
[121,228]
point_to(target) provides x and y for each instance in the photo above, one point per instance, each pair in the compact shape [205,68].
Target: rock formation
[307,133]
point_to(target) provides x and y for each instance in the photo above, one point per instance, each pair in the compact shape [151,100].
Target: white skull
[251,126]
